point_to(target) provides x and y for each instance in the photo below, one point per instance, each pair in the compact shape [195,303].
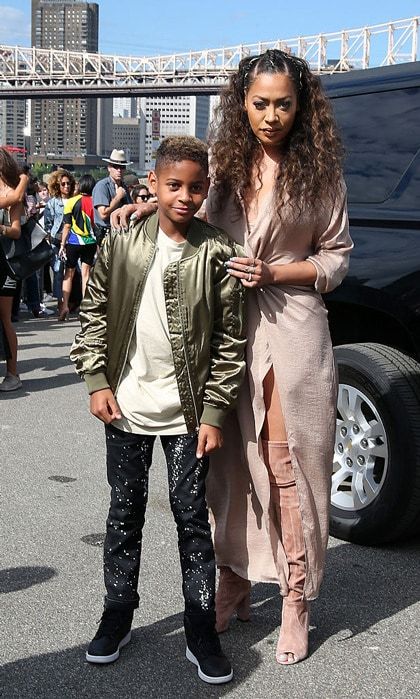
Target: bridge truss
[32,72]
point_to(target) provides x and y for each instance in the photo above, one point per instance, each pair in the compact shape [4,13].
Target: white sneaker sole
[103,659]
[207,678]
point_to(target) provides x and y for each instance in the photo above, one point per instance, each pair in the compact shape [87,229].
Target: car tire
[375,496]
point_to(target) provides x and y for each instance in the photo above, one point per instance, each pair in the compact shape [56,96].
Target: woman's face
[143,195]
[271,105]
[65,187]
[43,192]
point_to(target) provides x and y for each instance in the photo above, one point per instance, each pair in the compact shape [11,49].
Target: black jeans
[129,457]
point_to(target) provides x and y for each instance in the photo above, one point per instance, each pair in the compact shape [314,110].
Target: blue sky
[152,27]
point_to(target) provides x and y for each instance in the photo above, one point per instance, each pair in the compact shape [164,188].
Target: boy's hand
[104,406]
[209,439]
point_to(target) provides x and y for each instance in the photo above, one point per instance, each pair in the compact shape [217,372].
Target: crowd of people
[66,209]
[193,329]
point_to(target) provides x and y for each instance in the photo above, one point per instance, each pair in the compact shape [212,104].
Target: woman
[42,199]
[78,240]
[140,194]
[32,287]
[61,186]
[12,191]
[278,191]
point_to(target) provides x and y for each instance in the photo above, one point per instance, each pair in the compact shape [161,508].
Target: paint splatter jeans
[129,457]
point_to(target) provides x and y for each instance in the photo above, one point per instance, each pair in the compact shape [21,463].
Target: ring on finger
[250,276]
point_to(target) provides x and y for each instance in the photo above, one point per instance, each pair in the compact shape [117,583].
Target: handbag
[22,257]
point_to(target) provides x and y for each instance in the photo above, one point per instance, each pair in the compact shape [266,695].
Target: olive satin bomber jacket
[204,307]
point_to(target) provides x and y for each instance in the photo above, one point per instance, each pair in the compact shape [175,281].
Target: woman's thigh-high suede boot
[293,640]
[233,595]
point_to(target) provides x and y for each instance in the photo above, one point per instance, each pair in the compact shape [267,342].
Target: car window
[381,136]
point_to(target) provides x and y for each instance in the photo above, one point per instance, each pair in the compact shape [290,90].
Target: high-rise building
[126,136]
[12,127]
[125,107]
[65,130]
[170,116]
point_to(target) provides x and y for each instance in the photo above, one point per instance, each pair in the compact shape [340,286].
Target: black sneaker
[114,632]
[206,653]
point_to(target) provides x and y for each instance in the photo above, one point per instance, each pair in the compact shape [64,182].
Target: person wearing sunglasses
[140,194]
[110,193]
[61,185]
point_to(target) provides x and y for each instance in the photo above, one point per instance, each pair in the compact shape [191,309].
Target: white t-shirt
[148,393]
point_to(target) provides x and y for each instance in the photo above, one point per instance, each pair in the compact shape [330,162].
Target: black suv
[375,314]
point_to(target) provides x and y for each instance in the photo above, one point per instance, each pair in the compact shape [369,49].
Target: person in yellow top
[78,241]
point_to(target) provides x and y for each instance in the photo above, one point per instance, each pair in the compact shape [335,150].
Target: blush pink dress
[287,329]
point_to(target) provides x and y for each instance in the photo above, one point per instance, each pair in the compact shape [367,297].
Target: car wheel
[375,495]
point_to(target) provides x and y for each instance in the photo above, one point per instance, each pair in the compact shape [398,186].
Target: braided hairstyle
[311,163]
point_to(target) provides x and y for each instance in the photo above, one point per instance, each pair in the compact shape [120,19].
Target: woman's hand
[256,273]
[120,218]
[251,271]
[209,439]
[104,406]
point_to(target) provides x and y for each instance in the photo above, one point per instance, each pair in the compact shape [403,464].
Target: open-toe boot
[292,645]
[293,640]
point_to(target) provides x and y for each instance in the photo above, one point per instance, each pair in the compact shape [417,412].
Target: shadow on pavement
[23,348]
[152,665]
[45,384]
[14,579]
[362,587]
[48,382]
[31,326]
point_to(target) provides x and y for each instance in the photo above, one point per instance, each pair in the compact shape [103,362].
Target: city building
[125,107]
[74,131]
[13,127]
[126,136]
[169,116]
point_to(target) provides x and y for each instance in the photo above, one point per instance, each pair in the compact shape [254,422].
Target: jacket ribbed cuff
[213,416]
[96,382]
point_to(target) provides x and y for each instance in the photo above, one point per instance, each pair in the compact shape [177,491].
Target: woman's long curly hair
[311,164]
[54,183]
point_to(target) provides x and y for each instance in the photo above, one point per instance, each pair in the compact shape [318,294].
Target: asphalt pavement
[364,637]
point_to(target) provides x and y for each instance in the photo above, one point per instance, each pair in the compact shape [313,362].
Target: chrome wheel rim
[361,451]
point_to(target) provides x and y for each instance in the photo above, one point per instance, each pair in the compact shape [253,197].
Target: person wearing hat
[110,193]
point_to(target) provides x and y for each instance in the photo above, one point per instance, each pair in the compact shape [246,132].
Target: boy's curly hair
[311,165]
[173,149]
[54,183]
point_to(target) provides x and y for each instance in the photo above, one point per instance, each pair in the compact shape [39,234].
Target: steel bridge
[31,72]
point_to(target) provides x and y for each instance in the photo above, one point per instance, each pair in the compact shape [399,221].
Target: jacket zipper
[185,350]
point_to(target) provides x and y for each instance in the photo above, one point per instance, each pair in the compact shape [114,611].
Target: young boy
[161,350]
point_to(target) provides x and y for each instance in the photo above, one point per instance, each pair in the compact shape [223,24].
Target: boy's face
[181,188]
